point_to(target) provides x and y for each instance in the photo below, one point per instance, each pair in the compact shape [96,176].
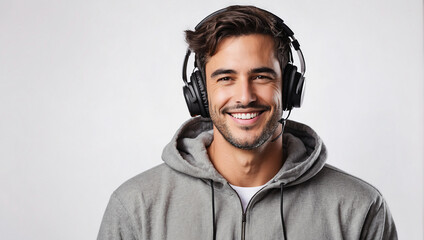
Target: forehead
[245,51]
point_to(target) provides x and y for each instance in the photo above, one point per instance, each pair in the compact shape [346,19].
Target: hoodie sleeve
[116,223]
[379,224]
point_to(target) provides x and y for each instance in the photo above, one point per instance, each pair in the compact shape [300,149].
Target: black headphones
[293,81]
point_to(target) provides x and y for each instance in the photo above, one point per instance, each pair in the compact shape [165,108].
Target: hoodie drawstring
[281,211]
[213,210]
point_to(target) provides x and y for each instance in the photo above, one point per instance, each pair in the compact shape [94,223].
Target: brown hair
[236,21]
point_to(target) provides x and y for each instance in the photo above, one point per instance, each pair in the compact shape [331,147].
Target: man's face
[243,82]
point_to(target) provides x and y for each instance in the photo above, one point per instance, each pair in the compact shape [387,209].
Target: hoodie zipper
[243,225]
[243,215]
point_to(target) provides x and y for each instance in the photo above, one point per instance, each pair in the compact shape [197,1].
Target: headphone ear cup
[201,94]
[298,90]
[191,100]
[288,86]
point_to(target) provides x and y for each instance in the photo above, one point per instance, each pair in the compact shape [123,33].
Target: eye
[262,77]
[224,79]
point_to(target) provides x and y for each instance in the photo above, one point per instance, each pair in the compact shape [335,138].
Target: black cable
[283,122]
[281,211]
[213,210]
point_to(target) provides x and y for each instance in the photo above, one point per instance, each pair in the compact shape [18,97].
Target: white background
[90,92]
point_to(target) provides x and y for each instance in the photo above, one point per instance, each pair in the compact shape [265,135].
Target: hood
[303,150]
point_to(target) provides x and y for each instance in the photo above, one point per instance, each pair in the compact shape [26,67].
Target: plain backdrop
[90,92]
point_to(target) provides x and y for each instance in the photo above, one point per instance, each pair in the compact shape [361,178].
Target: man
[232,174]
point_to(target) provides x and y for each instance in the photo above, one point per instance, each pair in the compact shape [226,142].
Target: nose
[245,92]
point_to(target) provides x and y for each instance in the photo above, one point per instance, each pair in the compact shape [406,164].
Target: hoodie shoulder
[348,186]
[134,202]
[364,201]
[146,182]
[156,185]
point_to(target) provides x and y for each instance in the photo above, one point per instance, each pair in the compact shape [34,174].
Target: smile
[245,116]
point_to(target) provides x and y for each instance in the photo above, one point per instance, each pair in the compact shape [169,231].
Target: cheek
[218,98]
[272,95]
[278,98]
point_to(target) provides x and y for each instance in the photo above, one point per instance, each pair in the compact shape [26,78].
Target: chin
[247,137]
[246,141]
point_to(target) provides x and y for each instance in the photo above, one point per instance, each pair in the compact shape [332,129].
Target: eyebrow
[255,70]
[264,70]
[222,71]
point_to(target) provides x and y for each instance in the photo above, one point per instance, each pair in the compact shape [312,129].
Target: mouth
[245,116]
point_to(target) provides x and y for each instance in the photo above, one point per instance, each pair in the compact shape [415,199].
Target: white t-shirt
[246,193]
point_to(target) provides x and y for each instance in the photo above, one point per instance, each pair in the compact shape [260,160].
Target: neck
[246,168]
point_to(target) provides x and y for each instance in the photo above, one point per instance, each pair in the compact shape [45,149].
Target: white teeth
[244,116]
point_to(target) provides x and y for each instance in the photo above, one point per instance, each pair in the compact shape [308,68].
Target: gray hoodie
[186,198]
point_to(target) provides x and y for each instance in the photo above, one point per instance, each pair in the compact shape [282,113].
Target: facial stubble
[221,124]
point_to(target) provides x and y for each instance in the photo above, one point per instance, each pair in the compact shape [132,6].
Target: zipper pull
[243,217]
